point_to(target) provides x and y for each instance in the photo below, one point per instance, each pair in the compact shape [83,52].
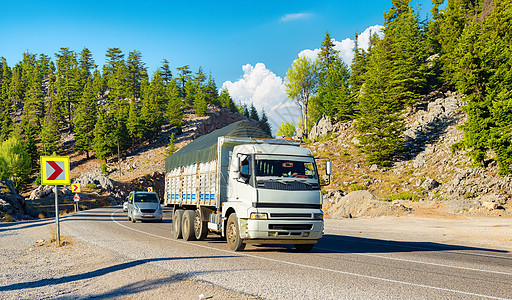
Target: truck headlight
[259,216]
[318,216]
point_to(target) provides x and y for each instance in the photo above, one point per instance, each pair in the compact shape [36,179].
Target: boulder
[101,180]
[323,126]
[11,203]
[429,184]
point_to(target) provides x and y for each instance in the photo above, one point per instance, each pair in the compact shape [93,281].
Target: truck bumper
[281,231]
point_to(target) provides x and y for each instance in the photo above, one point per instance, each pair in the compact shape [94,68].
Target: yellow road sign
[55,170]
[75,187]
[150,189]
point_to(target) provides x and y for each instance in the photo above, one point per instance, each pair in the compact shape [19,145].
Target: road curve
[341,266]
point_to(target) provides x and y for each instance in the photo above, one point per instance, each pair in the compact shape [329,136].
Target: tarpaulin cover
[204,148]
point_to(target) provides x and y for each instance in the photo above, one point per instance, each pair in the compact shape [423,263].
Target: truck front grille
[290,215]
[290,226]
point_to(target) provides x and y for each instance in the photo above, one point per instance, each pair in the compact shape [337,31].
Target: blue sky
[220,36]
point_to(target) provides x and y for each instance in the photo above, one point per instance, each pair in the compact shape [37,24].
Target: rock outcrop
[13,206]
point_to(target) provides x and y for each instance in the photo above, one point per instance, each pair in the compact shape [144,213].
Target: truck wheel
[177,215]
[187,225]
[200,227]
[304,247]
[233,238]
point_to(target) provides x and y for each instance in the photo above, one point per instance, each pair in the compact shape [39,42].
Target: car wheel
[200,227]
[233,238]
[187,226]
[177,215]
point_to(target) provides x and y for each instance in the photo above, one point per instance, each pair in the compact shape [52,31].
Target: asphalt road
[343,265]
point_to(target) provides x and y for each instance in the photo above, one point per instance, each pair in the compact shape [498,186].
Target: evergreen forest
[465,45]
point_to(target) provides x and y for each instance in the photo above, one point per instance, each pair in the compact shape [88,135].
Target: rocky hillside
[429,179]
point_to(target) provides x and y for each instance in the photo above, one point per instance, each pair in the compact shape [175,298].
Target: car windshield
[151,198]
[286,168]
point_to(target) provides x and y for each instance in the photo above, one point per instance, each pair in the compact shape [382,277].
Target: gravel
[32,267]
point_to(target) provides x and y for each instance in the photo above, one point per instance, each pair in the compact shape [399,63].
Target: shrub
[91,186]
[37,181]
[405,196]
[8,218]
[357,187]
[104,168]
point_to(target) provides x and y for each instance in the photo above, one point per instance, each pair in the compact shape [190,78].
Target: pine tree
[226,101]
[86,64]
[50,135]
[407,52]
[184,77]
[379,122]
[482,72]
[212,94]
[85,120]
[31,148]
[166,72]
[104,136]
[134,124]
[150,115]
[328,55]
[253,113]
[67,86]
[174,105]
[333,94]
[264,124]
[200,104]
[358,69]
[6,123]
[136,70]
[98,86]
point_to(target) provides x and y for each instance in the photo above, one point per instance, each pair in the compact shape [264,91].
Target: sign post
[55,171]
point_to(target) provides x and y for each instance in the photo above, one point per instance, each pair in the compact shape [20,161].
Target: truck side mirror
[328,167]
[236,168]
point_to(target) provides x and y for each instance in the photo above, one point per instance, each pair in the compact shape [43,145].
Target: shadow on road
[101,272]
[350,244]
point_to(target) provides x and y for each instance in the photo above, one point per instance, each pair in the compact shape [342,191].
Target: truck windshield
[286,168]
[152,198]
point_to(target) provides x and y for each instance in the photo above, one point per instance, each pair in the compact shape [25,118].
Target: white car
[125,205]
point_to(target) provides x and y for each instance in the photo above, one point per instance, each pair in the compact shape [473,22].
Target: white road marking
[417,261]
[309,266]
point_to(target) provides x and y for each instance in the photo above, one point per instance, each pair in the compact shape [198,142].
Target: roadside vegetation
[110,109]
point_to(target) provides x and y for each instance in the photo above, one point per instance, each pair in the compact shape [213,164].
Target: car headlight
[318,216]
[137,209]
[259,216]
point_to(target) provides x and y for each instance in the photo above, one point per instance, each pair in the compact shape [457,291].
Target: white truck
[247,187]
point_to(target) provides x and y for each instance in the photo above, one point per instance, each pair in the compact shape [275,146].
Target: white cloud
[363,40]
[346,46]
[293,17]
[265,90]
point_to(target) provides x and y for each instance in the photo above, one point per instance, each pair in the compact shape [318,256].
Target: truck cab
[275,192]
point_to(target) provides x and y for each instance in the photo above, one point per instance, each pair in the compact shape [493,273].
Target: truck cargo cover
[204,148]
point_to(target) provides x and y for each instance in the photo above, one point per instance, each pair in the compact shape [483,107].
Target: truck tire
[233,238]
[304,247]
[200,227]
[187,225]
[177,215]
